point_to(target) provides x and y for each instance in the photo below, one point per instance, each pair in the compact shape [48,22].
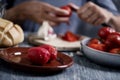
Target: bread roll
[10,34]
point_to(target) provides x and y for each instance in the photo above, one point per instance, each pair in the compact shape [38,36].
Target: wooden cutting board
[59,43]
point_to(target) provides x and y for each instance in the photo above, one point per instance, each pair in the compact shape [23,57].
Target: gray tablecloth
[82,69]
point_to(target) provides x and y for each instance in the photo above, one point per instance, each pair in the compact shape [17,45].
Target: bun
[10,34]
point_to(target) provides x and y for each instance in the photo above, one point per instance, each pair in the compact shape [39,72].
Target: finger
[95,15]
[55,18]
[55,10]
[53,24]
[50,17]
[99,21]
[73,7]
[59,19]
[87,14]
[92,18]
[84,8]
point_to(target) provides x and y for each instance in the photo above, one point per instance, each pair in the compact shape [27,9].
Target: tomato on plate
[38,55]
[115,51]
[67,8]
[101,47]
[94,41]
[51,50]
[69,36]
[42,54]
[104,32]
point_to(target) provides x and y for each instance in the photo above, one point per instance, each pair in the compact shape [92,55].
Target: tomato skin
[51,50]
[115,33]
[38,55]
[115,51]
[69,36]
[94,41]
[113,40]
[96,44]
[101,47]
[67,8]
[104,32]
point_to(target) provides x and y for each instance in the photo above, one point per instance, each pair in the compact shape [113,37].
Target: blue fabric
[76,25]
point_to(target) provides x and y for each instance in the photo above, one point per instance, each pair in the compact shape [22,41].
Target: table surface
[82,69]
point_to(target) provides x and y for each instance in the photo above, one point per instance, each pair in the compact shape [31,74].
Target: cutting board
[58,43]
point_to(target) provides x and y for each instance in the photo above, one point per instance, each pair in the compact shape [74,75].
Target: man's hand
[36,11]
[93,14]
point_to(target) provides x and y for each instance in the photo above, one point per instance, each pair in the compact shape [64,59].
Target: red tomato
[115,33]
[115,51]
[67,8]
[38,55]
[113,40]
[51,50]
[100,47]
[69,36]
[104,32]
[94,41]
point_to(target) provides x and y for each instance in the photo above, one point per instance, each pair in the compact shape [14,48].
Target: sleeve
[107,4]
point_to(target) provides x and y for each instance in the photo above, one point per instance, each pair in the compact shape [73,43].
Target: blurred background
[117,3]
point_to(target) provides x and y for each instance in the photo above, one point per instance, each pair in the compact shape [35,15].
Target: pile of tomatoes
[108,41]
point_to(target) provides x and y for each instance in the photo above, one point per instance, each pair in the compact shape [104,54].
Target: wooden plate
[61,45]
[22,62]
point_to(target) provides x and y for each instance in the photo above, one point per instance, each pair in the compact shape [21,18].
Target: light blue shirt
[76,25]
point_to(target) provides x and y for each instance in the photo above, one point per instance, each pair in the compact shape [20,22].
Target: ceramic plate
[22,62]
[100,57]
